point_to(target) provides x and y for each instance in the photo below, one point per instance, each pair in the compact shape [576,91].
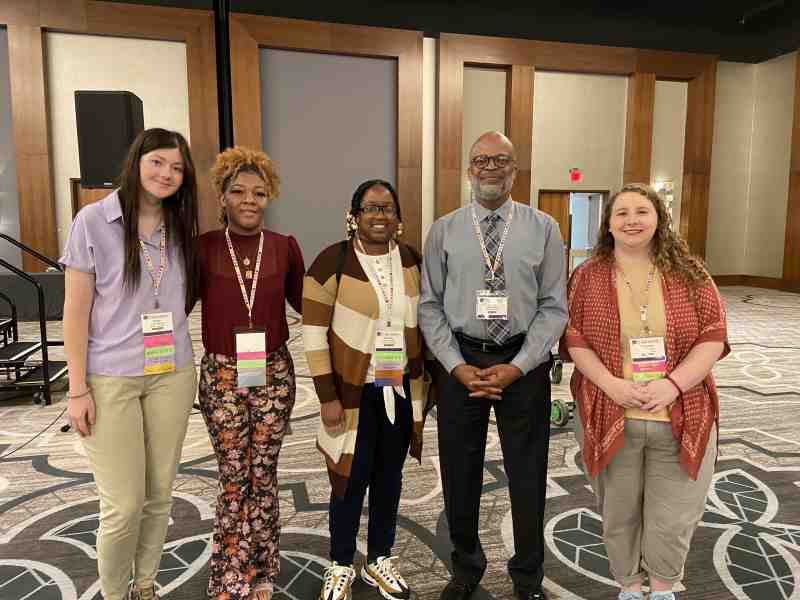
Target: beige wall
[750,167]
[153,70]
[578,121]
[729,190]
[769,181]
[669,135]
[484,110]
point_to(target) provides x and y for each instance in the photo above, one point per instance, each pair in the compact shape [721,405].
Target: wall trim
[769,283]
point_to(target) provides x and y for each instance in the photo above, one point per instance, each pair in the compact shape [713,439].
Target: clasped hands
[650,396]
[486,383]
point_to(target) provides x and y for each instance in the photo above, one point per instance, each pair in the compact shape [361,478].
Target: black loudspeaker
[107,123]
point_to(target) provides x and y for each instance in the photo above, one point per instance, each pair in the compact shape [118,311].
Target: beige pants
[650,506]
[134,451]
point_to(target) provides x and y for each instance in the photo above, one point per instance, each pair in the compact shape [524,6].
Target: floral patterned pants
[246,426]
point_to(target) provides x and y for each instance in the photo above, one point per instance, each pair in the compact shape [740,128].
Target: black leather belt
[515,341]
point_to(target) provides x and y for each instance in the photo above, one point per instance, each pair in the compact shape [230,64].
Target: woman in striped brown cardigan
[357,296]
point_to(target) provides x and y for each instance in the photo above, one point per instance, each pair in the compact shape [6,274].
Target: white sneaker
[337,582]
[383,575]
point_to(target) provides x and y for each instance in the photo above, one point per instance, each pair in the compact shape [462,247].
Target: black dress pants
[523,422]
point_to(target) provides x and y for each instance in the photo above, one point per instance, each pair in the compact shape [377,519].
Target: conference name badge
[491,305]
[649,358]
[251,357]
[159,343]
[389,356]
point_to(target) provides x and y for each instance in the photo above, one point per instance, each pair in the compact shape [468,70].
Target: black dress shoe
[537,594]
[457,590]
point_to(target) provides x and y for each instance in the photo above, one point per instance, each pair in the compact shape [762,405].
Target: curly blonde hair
[669,251]
[239,159]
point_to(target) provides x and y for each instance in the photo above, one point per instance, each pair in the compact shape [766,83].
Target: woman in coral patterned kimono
[646,326]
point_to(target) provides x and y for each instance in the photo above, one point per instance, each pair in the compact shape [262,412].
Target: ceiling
[737,30]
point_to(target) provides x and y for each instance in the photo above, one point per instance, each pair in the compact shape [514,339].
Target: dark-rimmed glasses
[482,161]
[374,209]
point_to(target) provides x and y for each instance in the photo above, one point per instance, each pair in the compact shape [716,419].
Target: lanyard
[642,307]
[499,257]
[148,261]
[248,302]
[388,298]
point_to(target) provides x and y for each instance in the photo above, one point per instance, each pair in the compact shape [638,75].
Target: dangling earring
[399,231]
[350,224]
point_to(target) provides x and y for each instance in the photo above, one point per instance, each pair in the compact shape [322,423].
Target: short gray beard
[489,192]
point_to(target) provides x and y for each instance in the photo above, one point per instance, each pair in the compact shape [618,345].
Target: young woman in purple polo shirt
[247,384]
[130,284]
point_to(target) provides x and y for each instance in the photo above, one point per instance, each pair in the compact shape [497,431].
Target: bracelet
[677,387]
[75,397]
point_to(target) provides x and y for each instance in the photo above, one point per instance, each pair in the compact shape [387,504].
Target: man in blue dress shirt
[492,307]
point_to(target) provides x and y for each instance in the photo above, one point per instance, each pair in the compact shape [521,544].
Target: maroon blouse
[280,279]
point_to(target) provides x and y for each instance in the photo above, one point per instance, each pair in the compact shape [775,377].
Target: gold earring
[399,231]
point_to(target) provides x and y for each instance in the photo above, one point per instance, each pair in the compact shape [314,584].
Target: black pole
[222,10]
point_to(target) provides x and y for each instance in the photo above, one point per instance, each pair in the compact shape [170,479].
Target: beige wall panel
[771,154]
[669,135]
[578,121]
[153,70]
[484,110]
[730,169]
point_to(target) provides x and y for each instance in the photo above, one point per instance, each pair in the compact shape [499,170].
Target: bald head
[492,169]
[492,143]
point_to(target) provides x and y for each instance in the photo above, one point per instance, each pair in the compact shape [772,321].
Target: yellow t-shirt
[631,325]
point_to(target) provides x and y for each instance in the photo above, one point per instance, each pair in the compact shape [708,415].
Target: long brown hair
[180,210]
[669,251]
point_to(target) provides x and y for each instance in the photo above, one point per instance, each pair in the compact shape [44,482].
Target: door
[556,204]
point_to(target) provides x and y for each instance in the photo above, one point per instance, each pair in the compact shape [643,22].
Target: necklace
[643,306]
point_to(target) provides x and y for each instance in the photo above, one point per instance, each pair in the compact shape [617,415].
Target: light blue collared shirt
[454,269]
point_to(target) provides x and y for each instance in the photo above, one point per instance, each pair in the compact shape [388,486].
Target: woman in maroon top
[247,384]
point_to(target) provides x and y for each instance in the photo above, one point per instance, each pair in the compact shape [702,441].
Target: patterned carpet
[747,546]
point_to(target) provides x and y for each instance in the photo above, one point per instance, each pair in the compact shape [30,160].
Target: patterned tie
[498,328]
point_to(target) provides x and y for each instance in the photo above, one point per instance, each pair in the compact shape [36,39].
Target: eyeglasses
[501,161]
[374,209]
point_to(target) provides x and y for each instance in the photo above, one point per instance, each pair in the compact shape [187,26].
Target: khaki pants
[650,506]
[134,451]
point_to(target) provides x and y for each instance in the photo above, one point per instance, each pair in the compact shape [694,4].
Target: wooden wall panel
[697,159]
[37,211]
[449,127]
[645,67]
[245,86]
[639,128]
[409,141]
[249,33]
[27,21]
[63,14]
[791,248]
[584,58]
[682,66]
[519,127]
[201,61]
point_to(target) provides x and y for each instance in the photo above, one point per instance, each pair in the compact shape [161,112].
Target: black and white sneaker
[337,582]
[382,574]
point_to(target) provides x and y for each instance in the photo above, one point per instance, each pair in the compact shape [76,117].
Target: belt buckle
[483,348]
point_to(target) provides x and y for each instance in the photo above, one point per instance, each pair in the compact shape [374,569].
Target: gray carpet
[747,546]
